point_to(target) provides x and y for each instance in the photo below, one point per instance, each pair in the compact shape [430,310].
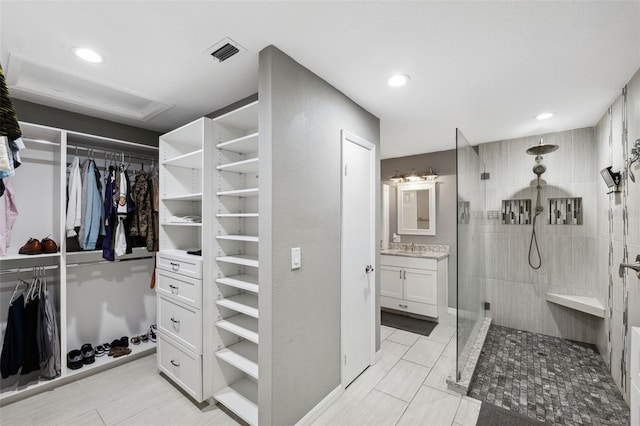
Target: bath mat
[414,325]
[492,415]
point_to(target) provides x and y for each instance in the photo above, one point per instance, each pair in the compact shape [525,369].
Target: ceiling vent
[225,49]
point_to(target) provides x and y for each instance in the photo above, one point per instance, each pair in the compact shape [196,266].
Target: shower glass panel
[471,284]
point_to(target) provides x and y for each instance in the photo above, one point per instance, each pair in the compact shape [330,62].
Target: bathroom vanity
[414,280]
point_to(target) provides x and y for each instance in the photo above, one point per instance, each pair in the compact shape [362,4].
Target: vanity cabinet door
[421,286]
[391,281]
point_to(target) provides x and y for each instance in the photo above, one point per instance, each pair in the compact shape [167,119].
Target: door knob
[368,269]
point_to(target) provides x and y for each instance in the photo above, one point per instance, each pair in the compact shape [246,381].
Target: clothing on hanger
[74,205]
[12,356]
[52,366]
[93,215]
[8,215]
[142,222]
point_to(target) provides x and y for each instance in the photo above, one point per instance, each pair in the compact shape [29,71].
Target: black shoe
[74,359]
[88,354]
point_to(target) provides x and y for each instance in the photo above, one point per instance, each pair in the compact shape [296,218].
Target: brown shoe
[33,246]
[49,246]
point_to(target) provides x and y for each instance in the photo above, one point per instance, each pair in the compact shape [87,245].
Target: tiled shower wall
[515,290]
[614,237]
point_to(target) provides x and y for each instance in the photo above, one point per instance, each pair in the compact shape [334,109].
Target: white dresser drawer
[409,306]
[181,322]
[191,267]
[179,287]
[182,366]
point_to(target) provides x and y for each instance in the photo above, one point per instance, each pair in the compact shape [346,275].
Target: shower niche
[516,212]
[565,211]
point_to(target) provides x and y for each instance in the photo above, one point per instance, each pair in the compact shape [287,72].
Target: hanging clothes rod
[40,141]
[26,269]
[114,151]
[101,262]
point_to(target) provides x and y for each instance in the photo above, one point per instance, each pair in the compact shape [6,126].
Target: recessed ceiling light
[87,55]
[544,116]
[398,80]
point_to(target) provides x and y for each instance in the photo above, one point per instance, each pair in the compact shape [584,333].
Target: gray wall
[613,332]
[444,164]
[301,117]
[54,117]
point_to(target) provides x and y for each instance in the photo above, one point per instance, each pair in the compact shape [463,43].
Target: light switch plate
[296,261]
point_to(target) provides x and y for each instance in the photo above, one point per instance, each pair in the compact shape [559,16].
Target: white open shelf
[589,305]
[242,282]
[249,192]
[243,356]
[242,326]
[16,256]
[105,360]
[237,215]
[240,259]
[241,398]
[243,145]
[245,303]
[191,160]
[196,196]
[245,117]
[244,166]
[250,238]
[197,224]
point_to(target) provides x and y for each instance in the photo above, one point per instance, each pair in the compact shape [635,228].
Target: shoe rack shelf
[236,264]
[84,287]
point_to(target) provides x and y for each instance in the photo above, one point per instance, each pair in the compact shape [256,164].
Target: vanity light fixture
[397,178]
[413,176]
[544,116]
[87,55]
[431,175]
[398,80]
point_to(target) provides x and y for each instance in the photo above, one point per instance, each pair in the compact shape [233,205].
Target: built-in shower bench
[589,305]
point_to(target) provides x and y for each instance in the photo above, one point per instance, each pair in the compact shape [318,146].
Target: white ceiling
[484,67]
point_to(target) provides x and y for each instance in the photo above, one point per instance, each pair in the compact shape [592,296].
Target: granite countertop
[424,251]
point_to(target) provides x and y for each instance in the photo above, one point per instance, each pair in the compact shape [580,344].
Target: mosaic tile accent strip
[565,211]
[624,366]
[546,378]
[516,212]
[464,212]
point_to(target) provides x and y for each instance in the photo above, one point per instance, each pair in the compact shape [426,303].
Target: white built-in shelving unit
[84,287]
[236,264]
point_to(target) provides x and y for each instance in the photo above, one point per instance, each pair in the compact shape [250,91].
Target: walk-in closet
[95,301]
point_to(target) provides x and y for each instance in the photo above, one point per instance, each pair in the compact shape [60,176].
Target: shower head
[539,169]
[542,148]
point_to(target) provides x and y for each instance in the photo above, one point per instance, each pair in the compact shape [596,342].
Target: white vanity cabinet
[414,284]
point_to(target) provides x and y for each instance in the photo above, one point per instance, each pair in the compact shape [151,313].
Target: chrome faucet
[634,266]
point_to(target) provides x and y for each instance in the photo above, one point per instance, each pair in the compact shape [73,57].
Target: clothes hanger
[15,290]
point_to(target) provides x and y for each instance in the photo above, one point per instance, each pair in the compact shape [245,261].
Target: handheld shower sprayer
[538,170]
[635,156]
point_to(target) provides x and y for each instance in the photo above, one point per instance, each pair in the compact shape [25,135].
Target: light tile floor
[406,387]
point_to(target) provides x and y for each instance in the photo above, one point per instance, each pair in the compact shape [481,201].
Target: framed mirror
[416,208]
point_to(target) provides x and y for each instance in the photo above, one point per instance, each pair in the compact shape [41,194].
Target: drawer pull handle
[175,321]
[175,364]
[403,306]
[174,266]
[173,287]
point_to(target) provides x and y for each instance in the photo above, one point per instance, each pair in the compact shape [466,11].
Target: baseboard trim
[316,411]
[452,311]
[378,356]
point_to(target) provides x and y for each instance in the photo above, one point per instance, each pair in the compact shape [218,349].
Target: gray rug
[492,415]
[403,322]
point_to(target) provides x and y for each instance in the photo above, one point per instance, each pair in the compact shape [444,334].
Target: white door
[358,256]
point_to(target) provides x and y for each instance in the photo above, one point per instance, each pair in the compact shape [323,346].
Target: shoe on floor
[88,354]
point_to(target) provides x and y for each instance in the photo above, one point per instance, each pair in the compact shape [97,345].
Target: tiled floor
[547,378]
[406,387]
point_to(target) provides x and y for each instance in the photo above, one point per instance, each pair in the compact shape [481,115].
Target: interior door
[358,256]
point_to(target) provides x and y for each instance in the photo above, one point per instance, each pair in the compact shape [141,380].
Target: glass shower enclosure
[471,283]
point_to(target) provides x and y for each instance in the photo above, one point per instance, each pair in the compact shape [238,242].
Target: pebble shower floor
[553,380]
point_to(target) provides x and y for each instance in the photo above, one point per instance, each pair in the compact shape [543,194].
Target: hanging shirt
[93,216]
[74,207]
[108,252]
[52,366]
[8,215]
